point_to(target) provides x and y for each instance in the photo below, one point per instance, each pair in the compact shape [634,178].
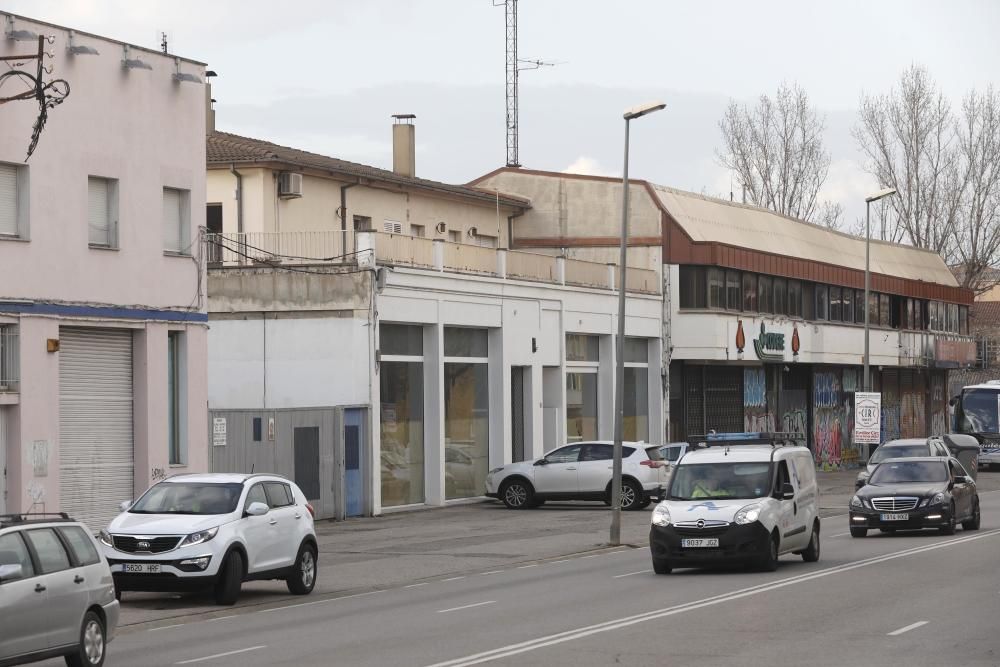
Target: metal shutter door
[8,200]
[95,423]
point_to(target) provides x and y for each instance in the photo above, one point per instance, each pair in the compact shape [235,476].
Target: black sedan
[914,493]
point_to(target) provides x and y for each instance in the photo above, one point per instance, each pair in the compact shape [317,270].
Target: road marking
[585,631]
[309,604]
[468,606]
[525,567]
[912,626]
[165,627]
[619,576]
[564,560]
[221,655]
[221,618]
[416,585]
[453,579]
[841,534]
[492,572]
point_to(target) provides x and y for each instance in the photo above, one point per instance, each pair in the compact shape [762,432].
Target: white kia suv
[580,471]
[213,531]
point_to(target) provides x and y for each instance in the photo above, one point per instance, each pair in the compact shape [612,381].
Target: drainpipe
[343,216]
[239,198]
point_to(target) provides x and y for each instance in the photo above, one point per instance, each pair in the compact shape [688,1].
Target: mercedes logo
[145,545]
[701,523]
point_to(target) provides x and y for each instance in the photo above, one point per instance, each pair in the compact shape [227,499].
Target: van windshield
[720,480]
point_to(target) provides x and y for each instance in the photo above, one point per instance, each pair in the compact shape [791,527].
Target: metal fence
[280,248]
[9,375]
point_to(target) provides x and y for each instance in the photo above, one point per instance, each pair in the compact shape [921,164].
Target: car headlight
[105,538]
[496,470]
[748,514]
[937,499]
[199,537]
[857,502]
[661,516]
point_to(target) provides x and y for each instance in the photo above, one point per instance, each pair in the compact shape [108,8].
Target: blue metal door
[354,480]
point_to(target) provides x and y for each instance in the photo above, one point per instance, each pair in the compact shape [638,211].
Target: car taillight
[650,464]
[312,512]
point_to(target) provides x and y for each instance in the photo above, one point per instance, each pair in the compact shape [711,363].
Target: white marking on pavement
[221,655]
[619,576]
[492,572]
[416,585]
[468,606]
[912,626]
[309,604]
[585,631]
[221,618]
[165,627]
[564,560]
[525,567]
[453,579]
[841,534]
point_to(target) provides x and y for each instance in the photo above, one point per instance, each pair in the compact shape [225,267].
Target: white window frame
[112,213]
[177,454]
[21,231]
[183,239]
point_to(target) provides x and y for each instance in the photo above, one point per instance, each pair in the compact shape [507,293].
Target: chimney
[404,150]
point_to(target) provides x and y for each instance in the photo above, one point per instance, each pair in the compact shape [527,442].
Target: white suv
[580,471]
[200,531]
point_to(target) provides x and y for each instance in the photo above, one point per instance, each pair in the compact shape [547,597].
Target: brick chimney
[404,149]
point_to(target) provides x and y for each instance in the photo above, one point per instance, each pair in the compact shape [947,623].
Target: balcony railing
[9,375]
[263,248]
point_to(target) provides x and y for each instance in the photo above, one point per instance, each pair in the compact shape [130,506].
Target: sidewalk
[401,548]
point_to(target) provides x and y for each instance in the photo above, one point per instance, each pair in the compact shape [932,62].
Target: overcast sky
[325,75]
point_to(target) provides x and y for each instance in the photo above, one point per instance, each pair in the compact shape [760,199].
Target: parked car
[736,499]
[57,597]
[901,449]
[214,531]
[914,493]
[577,471]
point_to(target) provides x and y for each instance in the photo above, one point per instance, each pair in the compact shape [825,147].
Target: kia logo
[143,545]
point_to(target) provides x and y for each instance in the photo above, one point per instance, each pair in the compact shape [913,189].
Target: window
[466,427]
[401,340]
[459,342]
[362,223]
[570,454]
[401,381]
[256,495]
[581,404]
[636,351]
[822,302]
[716,288]
[734,299]
[873,309]
[847,304]
[636,399]
[672,453]
[953,325]
[808,301]
[859,306]
[278,495]
[963,320]
[692,287]
[14,552]
[780,292]
[597,452]
[919,315]
[486,241]
[392,227]
[455,236]
[256,427]
[765,295]
[883,310]
[13,201]
[418,231]
[794,298]
[580,347]
[750,292]
[52,556]
[102,212]
[175,408]
[81,545]
[836,311]
[177,221]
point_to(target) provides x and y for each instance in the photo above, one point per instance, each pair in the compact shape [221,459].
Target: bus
[976,412]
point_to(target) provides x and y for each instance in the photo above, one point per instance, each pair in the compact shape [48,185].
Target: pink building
[102,307]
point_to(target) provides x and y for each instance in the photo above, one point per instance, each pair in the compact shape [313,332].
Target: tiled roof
[984,315]
[224,148]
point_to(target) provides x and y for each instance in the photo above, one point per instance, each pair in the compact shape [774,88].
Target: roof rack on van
[773,438]
[25,517]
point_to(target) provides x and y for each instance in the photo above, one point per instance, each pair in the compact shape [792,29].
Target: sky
[326,75]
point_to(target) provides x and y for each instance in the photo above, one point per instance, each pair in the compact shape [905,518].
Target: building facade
[102,312]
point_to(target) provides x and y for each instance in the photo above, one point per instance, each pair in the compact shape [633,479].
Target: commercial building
[102,312]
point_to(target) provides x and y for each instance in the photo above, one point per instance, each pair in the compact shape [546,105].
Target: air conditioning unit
[289,185]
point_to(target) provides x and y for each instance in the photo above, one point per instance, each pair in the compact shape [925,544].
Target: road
[914,599]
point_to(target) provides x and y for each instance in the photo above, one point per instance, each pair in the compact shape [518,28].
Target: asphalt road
[914,599]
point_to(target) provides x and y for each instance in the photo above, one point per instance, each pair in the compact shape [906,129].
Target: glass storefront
[582,362]
[401,379]
[466,412]
[635,425]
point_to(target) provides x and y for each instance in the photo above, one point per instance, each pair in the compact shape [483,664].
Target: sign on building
[867,417]
[219,432]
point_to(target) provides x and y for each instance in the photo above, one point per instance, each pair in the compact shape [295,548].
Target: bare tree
[776,150]
[945,168]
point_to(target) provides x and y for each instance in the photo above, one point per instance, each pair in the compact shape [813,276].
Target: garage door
[95,423]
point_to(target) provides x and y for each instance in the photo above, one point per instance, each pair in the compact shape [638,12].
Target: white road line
[417,585]
[619,576]
[468,606]
[492,572]
[453,579]
[841,534]
[165,627]
[585,631]
[309,604]
[221,618]
[525,567]
[912,626]
[220,655]
[554,562]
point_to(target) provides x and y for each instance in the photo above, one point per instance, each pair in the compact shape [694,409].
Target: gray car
[57,597]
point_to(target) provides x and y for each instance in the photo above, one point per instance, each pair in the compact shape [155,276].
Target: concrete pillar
[366,249]
[561,269]
[439,254]
[612,271]
[502,263]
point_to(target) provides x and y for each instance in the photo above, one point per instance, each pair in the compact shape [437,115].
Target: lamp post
[616,475]
[868,246]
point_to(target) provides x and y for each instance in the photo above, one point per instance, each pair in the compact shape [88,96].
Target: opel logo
[145,545]
[701,524]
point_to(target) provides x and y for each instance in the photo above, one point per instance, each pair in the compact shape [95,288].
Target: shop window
[635,409]
[822,302]
[808,301]
[780,296]
[402,429]
[836,313]
[401,339]
[847,304]
[716,288]
[859,306]
[466,428]
[582,348]
[460,342]
[581,405]
[734,298]
[636,351]
[692,287]
[794,298]
[750,292]
[765,294]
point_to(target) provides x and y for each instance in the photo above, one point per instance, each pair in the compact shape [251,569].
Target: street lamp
[868,245]
[616,475]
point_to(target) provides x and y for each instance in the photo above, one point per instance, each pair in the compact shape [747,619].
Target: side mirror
[124,507]
[11,573]
[541,462]
[859,483]
[257,509]
[787,491]
[962,479]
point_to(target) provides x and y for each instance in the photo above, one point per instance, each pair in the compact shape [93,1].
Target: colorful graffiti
[756,417]
[833,417]
[795,421]
[939,409]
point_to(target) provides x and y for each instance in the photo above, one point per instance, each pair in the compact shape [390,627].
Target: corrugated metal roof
[706,219]
[223,148]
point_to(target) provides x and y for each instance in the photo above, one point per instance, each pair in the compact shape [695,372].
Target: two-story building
[102,306]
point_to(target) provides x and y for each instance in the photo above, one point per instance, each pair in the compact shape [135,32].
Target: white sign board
[867,417]
[219,432]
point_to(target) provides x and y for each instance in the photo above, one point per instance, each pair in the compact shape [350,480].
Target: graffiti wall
[890,405]
[939,406]
[833,412]
[912,404]
[756,416]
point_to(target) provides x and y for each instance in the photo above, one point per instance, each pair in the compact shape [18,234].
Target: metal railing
[9,356]
[251,248]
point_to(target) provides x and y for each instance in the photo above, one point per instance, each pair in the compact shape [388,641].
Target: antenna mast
[510,8]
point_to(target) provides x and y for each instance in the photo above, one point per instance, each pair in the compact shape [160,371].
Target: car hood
[708,509]
[522,467]
[918,489]
[165,524]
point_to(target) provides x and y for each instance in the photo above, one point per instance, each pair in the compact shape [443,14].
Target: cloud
[587,165]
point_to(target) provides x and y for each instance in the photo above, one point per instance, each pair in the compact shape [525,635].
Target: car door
[285,516]
[595,467]
[93,573]
[794,532]
[67,599]
[962,491]
[557,471]
[260,532]
[23,602]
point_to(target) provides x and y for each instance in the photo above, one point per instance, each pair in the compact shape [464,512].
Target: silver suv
[57,596]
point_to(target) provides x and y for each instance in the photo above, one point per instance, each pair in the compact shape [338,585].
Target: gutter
[239,198]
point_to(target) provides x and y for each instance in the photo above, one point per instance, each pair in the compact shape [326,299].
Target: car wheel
[950,528]
[769,561]
[662,566]
[227,586]
[858,532]
[973,523]
[631,496]
[90,652]
[811,553]
[517,494]
[303,577]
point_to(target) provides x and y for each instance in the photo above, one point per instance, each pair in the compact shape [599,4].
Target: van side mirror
[11,573]
[787,491]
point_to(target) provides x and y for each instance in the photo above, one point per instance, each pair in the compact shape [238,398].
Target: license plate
[895,517]
[704,542]
[142,568]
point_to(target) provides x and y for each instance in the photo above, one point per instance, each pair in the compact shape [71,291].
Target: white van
[728,501]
